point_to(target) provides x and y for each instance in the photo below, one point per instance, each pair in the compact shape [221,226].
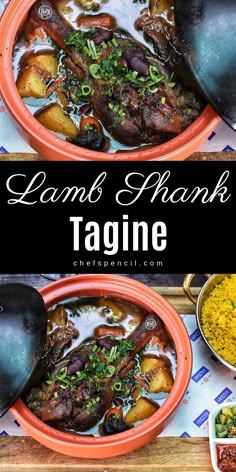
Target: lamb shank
[130,90]
[78,390]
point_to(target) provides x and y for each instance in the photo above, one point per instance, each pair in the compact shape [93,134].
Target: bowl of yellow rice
[216,316]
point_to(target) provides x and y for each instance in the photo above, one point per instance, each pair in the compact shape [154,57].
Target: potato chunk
[46,61]
[58,316]
[149,364]
[162,381]
[88,4]
[117,312]
[54,118]
[143,409]
[157,371]
[158,7]
[30,84]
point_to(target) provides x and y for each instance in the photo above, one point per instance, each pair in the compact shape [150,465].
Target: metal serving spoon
[207,30]
[23,326]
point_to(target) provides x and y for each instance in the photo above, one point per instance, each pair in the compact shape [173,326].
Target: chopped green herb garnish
[91,405]
[93,51]
[125,346]
[62,374]
[121,388]
[116,109]
[171,84]
[86,90]
[110,370]
[153,89]
[94,70]
[112,355]
[117,386]
[155,75]
[109,88]
[114,42]
[82,92]
[64,386]
[81,375]
[76,39]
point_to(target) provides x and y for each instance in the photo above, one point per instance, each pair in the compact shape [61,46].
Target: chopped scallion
[171,84]
[153,89]
[117,386]
[155,75]
[86,90]
[62,374]
[114,42]
[110,370]
[94,70]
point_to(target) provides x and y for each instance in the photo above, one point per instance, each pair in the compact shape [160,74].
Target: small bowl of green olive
[225,421]
[222,437]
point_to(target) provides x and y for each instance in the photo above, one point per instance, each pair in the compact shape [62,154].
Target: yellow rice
[218,319]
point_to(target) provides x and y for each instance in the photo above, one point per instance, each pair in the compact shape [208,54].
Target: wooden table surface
[198,156]
[174,454]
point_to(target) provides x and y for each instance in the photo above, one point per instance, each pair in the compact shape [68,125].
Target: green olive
[220,428]
[222,418]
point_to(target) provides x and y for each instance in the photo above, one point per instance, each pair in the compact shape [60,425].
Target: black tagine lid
[23,327]
[206,30]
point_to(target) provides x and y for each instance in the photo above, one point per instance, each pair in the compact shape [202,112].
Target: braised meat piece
[79,390]
[57,341]
[130,90]
[158,25]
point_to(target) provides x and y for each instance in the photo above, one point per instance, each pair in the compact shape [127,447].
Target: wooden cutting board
[162,454]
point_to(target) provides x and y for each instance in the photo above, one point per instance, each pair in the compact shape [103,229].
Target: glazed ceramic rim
[177,148]
[129,289]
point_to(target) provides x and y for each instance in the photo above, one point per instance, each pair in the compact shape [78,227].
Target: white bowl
[212,434]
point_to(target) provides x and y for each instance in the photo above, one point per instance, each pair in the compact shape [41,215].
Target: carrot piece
[92,21]
[154,341]
[30,37]
[116,410]
[137,391]
[54,85]
[62,97]
[40,33]
[142,382]
[89,120]
[37,33]
[105,330]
